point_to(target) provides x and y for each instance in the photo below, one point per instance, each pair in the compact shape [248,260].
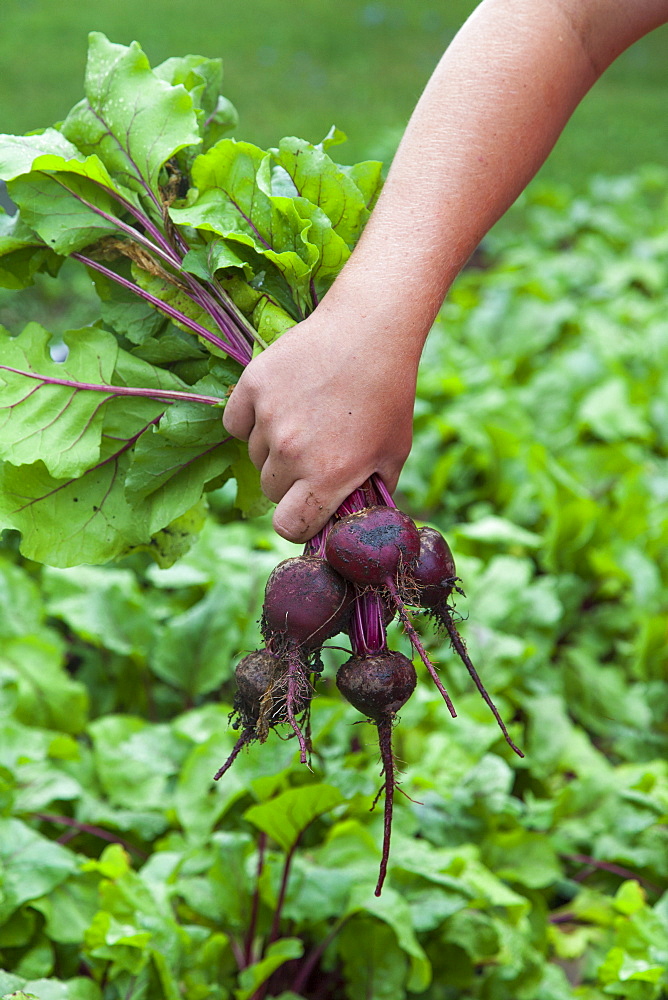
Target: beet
[379,685]
[262,688]
[373,545]
[306,602]
[255,675]
[434,573]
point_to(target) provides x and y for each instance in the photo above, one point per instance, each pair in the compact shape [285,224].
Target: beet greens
[203,249]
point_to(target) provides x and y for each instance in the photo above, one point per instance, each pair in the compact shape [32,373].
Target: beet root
[306,602]
[263,683]
[379,685]
[255,676]
[434,573]
[373,545]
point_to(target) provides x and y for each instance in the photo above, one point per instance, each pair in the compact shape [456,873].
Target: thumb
[303,512]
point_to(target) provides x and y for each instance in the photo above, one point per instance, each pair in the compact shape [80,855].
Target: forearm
[487,120]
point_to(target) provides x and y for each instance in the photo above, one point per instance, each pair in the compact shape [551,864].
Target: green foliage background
[540,449]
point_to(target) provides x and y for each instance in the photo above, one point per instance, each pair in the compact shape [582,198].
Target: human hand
[322,409]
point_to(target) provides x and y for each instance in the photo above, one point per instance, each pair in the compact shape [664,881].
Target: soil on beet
[377,686]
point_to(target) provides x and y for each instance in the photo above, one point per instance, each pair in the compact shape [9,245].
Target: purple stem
[608,866]
[195,327]
[237,333]
[163,249]
[261,991]
[120,390]
[367,633]
[276,922]
[383,491]
[417,645]
[168,254]
[255,907]
[95,831]
[311,962]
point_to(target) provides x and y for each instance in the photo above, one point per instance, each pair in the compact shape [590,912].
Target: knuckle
[288,447]
[270,487]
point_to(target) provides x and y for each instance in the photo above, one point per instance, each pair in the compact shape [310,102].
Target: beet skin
[306,602]
[373,545]
[434,572]
[379,685]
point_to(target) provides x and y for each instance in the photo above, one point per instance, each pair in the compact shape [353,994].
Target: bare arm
[331,402]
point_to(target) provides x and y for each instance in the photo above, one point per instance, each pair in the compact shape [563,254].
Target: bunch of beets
[364,568]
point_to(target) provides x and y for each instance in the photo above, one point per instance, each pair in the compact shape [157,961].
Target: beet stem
[387,757]
[460,648]
[255,907]
[417,645]
[246,737]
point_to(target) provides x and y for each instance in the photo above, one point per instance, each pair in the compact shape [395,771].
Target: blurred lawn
[300,67]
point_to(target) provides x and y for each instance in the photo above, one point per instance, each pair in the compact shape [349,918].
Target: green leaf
[332,250]
[523,857]
[285,817]
[201,77]
[69,203]
[104,606]
[234,200]
[276,955]
[374,967]
[496,530]
[391,908]
[249,499]
[172,542]
[216,255]
[135,760]
[322,182]
[174,461]
[33,866]
[79,476]
[23,254]
[100,524]
[133,120]
[608,411]
[630,898]
[35,682]
[21,606]
[195,651]
[55,424]
[18,152]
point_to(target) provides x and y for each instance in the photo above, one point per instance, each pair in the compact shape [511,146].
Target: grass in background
[298,68]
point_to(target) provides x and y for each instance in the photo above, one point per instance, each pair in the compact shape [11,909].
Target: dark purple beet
[372,545]
[379,685]
[306,602]
[434,572]
[254,675]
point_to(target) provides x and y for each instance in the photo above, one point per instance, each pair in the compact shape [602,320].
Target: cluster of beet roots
[364,568]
